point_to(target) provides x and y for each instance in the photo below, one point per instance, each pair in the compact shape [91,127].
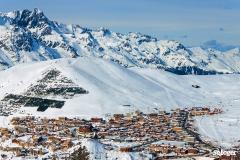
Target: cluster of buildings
[157,132]
[35,136]
[162,134]
[200,111]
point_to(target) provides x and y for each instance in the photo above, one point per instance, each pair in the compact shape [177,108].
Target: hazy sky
[189,21]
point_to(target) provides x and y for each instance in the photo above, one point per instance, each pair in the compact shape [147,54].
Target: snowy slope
[222,129]
[97,151]
[215,60]
[112,87]
[27,36]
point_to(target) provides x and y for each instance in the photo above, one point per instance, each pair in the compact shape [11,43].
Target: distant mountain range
[214,44]
[28,36]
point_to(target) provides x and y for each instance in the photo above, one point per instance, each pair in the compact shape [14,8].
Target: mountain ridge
[28,36]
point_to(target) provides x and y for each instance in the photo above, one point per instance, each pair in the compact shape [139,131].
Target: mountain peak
[27,18]
[37,10]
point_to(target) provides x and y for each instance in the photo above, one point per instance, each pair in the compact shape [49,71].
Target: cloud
[214,44]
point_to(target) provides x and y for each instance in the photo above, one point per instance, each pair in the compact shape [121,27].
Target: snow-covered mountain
[27,36]
[210,59]
[112,88]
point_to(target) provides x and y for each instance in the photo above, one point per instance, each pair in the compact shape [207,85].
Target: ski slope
[113,88]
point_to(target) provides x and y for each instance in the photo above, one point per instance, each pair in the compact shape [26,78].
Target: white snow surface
[97,151]
[111,87]
[222,129]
